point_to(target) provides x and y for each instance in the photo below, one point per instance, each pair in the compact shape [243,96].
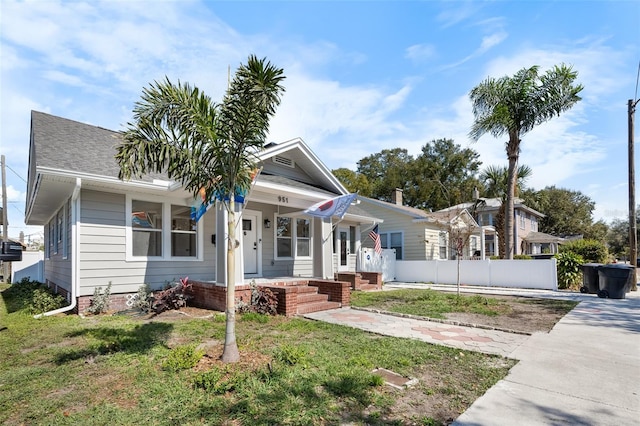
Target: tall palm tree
[514,106]
[494,179]
[210,148]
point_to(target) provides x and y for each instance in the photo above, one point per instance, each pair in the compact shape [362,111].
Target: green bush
[43,301]
[183,358]
[569,271]
[33,296]
[100,301]
[217,381]
[522,257]
[592,251]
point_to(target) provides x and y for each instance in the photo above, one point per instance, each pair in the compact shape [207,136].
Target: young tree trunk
[230,352]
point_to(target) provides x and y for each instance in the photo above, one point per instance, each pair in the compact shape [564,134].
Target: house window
[392,240]
[290,230]
[146,228]
[183,232]
[534,224]
[303,237]
[442,240]
[160,230]
[486,219]
[352,239]
[523,218]
[283,237]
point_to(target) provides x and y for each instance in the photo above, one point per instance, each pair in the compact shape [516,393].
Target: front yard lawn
[127,369]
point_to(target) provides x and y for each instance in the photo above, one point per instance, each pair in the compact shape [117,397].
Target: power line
[15,173]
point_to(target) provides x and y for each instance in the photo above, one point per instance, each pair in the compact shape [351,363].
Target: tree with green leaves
[386,170]
[209,148]
[443,174]
[354,182]
[515,105]
[567,212]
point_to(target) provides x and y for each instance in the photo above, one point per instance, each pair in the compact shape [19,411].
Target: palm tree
[210,148]
[494,179]
[514,106]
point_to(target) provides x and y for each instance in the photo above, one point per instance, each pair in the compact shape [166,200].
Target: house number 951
[283,199]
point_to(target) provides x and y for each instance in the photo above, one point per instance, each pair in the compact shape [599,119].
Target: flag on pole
[336,206]
[375,236]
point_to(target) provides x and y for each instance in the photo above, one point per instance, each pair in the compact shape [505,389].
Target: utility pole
[633,231]
[5,236]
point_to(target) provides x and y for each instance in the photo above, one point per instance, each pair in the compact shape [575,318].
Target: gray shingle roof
[65,144]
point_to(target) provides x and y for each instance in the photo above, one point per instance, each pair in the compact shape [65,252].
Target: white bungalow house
[417,234]
[99,229]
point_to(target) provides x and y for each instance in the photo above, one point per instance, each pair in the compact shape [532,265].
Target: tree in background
[354,182]
[387,170]
[514,106]
[567,212]
[444,174]
[205,146]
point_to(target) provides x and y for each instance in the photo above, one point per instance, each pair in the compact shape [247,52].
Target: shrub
[217,381]
[175,296]
[183,358]
[590,250]
[569,271]
[522,257]
[42,300]
[291,355]
[142,300]
[263,301]
[100,301]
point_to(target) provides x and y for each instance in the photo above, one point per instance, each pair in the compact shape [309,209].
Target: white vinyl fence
[370,261]
[534,274]
[31,266]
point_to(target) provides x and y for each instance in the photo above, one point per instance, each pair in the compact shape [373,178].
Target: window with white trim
[523,217]
[161,230]
[183,232]
[293,234]
[146,228]
[442,242]
[392,240]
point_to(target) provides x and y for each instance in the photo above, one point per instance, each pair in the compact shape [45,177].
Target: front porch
[295,295]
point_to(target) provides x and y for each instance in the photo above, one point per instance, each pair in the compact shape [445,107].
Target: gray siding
[103,249]
[57,267]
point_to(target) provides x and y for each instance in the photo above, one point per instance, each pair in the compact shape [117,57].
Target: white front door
[343,249]
[250,243]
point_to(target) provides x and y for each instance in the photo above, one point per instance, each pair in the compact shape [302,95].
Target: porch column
[327,248]
[222,236]
[482,254]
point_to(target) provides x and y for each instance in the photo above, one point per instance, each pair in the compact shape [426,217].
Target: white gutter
[75,282]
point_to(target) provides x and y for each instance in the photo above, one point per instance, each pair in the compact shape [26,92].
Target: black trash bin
[614,280]
[590,278]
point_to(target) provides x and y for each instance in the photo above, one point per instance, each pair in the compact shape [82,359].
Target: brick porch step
[307,308]
[309,297]
[365,287]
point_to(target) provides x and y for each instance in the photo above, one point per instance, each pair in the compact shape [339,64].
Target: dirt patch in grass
[526,315]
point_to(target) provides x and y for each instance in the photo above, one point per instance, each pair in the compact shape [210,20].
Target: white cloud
[420,52]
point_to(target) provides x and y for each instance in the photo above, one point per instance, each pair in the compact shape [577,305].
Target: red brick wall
[373,278]
[209,295]
[338,291]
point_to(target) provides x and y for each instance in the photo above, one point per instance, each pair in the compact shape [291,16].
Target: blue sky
[361,76]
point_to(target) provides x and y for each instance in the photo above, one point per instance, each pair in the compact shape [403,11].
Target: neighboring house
[99,229]
[525,222]
[416,234]
[536,243]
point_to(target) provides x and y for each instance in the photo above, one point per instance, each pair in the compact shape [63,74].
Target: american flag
[376,239]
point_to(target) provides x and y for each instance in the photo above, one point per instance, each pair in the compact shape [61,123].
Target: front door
[250,243]
[343,249]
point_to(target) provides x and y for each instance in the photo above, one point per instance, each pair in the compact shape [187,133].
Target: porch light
[267,223]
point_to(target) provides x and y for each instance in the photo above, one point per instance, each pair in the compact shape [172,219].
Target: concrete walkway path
[586,371]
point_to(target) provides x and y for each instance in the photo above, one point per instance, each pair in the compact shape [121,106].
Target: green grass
[109,370]
[429,303]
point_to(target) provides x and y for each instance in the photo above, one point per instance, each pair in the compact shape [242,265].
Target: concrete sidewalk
[586,371]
